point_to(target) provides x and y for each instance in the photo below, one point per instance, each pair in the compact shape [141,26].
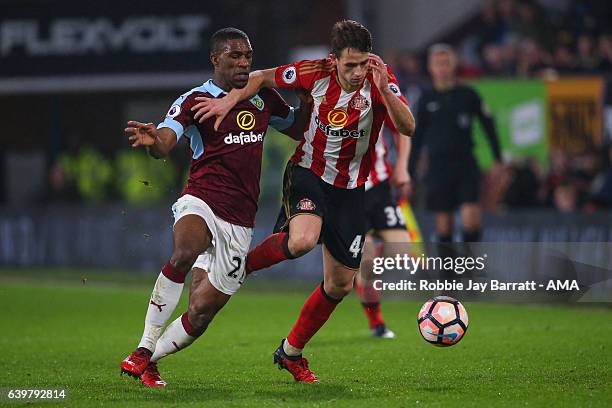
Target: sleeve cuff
[174,125]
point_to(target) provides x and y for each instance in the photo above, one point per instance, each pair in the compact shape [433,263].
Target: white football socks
[290,350]
[175,338]
[164,298]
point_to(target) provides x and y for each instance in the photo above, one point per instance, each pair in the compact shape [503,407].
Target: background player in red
[353,91]
[385,222]
[214,216]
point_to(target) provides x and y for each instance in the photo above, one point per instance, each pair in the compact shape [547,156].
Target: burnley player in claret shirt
[214,217]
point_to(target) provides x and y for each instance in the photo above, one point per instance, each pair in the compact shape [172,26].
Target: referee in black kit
[444,126]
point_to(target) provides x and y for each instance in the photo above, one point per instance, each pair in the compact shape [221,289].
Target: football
[443,321]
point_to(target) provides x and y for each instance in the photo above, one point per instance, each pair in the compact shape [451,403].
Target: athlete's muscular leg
[471,219]
[204,303]
[367,259]
[394,241]
[394,236]
[470,216]
[444,230]
[304,231]
[191,238]
[364,287]
[204,300]
[337,283]
[444,226]
[337,278]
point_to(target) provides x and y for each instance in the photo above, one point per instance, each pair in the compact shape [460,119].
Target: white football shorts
[224,260]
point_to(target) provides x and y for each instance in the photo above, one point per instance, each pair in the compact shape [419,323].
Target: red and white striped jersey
[343,128]
[381,169]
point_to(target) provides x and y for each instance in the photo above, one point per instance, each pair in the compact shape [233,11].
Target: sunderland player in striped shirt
[353,92]
[214,217]
[385,221]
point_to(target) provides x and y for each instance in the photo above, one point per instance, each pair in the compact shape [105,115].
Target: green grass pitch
[62,333]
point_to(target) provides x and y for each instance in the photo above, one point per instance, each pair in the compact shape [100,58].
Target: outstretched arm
[220,107]
[158,142]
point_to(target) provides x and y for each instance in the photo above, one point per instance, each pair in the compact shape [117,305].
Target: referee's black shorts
[451,185]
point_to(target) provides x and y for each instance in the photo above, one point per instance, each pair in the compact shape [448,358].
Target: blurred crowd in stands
[533,39]
[582,183]
[509,38]
[528,38]
[86,175]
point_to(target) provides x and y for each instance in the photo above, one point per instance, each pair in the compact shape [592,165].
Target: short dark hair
[350,34]
[221,36]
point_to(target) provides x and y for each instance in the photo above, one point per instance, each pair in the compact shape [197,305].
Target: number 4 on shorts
[355,247]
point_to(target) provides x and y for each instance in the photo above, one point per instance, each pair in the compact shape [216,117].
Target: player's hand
[402,181]
[141,134]
[379,73]
[209,107]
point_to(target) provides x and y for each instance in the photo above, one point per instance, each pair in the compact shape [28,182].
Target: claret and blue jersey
[226,163]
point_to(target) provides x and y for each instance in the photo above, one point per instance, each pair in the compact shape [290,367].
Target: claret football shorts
[224,260]
[342,211]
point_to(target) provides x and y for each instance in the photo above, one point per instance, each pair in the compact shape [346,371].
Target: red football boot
[297,366]
[151,377]
[136,363]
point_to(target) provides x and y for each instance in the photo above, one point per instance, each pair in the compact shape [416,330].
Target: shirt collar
[212,88]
